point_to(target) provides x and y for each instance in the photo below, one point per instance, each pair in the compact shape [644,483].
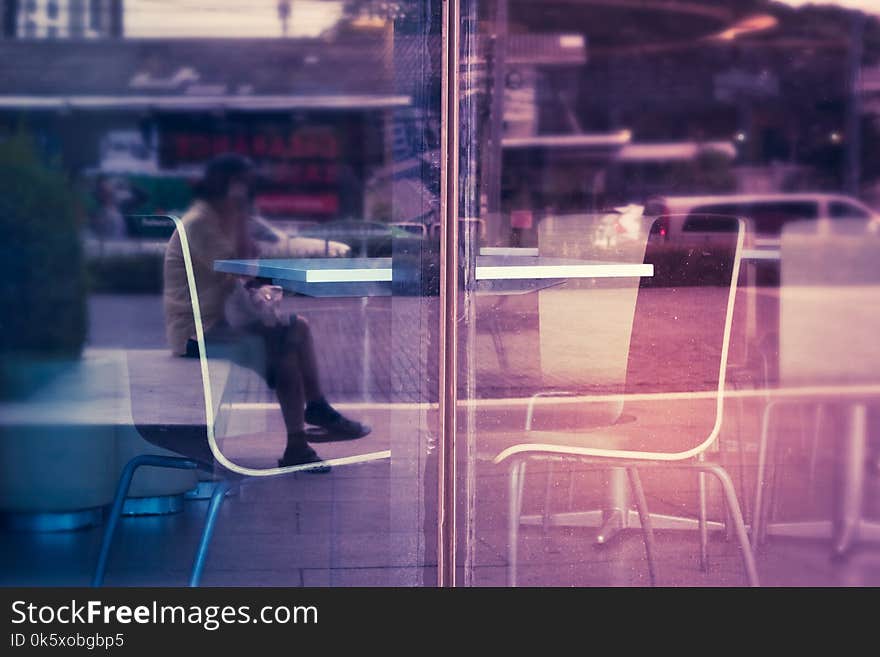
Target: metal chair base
[613,522]
[122,489]
[843,541]
[204,490]
[158,505]
[645,520]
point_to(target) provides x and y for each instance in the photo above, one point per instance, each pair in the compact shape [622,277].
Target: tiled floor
[366,524]
[334,530]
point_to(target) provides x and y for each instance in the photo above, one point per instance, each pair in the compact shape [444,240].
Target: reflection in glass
[336,107]
[595,140]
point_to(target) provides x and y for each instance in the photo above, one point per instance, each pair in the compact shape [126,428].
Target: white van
[681,216]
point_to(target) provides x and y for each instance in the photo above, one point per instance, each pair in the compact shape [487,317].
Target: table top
[772,255]
[373,276]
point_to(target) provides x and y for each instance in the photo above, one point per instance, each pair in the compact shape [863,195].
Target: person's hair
[219,173]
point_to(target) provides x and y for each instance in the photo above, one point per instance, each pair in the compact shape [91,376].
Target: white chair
[674,387]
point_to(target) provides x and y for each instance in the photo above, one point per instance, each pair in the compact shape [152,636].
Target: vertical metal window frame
[449,267]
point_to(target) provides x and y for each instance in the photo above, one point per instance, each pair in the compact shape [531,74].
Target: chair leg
[814,448]
[704,529]
[645,521]
[741,454]
[119,500]
[517,478]
[545,518]
[728,522]
[758,506]
[740,527]
[775,447]
[214,505]
[498,344]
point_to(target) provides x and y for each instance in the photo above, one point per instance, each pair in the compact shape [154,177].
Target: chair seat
[188,441]
[655,434]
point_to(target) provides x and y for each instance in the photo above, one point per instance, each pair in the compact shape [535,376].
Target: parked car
[148,234]
[370,239]
[682,216]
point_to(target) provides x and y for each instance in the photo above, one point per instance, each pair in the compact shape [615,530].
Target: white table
[365,277]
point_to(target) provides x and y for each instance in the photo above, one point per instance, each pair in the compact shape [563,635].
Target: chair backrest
[186,405]
[225,384]
[218,376]
[829,303]
[680,340]
[165,392]
[585,324]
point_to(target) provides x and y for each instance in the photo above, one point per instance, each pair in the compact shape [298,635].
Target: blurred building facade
[58,19]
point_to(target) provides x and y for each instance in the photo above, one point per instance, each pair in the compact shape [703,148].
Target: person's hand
[266,300]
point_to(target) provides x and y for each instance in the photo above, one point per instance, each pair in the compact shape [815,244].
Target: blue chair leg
[119,500]
[214,505]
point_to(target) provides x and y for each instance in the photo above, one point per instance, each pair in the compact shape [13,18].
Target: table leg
[616,515]
[365,358]
[704,529]
[847,524]
[852,480]
[751,328]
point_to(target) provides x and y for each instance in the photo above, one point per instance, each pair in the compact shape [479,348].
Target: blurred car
[623,224]
[276,243]
[767,213]
[370,239]
[148,234]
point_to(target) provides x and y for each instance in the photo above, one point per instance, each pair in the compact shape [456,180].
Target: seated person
[281,350]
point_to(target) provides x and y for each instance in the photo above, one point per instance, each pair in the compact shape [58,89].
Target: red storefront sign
[191,147]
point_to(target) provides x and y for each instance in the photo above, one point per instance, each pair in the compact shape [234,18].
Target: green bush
[43,313]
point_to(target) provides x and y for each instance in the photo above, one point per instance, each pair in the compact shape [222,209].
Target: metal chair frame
[518,455]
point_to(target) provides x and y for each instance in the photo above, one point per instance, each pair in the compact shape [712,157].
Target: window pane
[845,210]
[278,164]
[614,153]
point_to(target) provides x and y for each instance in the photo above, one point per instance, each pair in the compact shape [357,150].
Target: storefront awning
[204,103]
[586,140]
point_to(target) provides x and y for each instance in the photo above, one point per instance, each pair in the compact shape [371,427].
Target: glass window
[640,137]
[840,210]
[299,156]
[769,218]
[439,278]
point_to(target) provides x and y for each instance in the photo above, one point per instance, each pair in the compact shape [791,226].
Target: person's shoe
[337,426]
[302,456]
